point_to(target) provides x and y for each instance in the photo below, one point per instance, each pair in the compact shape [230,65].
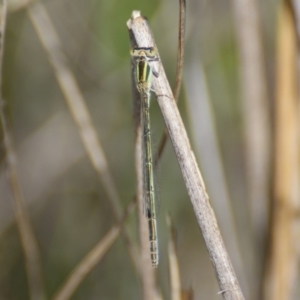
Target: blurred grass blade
[74,98]
[257,125]
[207,149]
[92,259]
[282,276]
[28,240]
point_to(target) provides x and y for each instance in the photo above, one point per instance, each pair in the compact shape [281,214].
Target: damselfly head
[144,53]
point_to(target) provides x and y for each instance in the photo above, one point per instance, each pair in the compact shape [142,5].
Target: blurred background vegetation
[69,208]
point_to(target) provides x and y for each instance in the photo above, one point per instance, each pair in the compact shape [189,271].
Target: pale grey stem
[28,240]
[227,280]
[74,98]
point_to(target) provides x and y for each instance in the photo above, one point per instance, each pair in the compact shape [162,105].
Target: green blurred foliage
[114,14]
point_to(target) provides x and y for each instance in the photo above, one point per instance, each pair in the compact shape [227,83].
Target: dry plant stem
[147,271]
[28,241]
[282,276]
[175,285]
[74,98]
[255,114]
[179,71]
[227,280]
[93,258]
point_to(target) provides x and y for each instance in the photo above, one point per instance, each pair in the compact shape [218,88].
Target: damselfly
[143,73]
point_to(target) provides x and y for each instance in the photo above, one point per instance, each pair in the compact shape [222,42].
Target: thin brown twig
[180,55]
[228,283]
[28,240]
[179,72]
[175,284]
[81,116]
[92,259]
